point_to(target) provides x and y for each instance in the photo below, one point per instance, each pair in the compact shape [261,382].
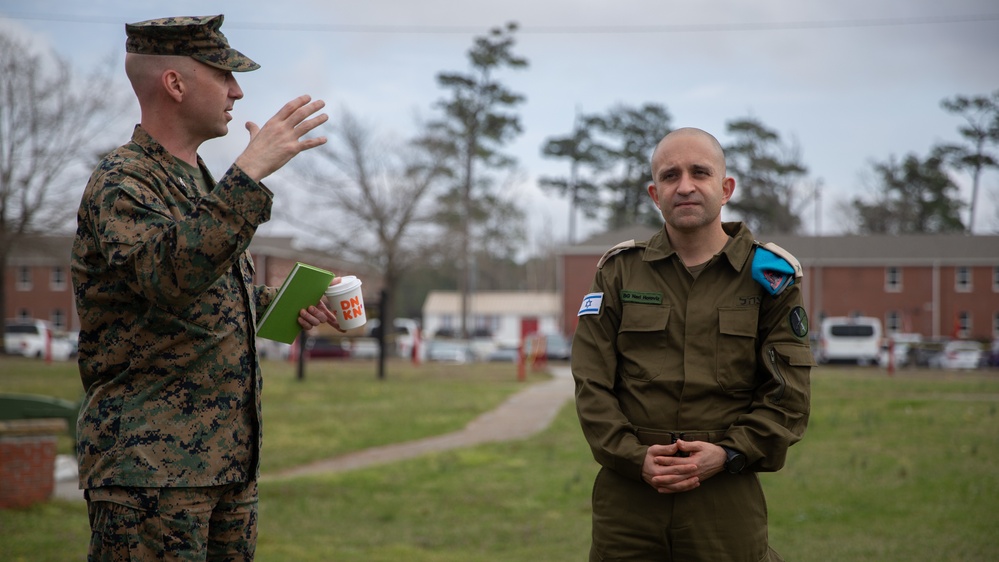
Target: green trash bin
[33,406]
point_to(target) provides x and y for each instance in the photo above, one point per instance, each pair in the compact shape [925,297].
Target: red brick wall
[41,301]
[861,290]
[578,272]
[27,462]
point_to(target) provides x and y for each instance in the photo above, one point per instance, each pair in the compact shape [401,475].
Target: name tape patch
[591,304]
[640,297]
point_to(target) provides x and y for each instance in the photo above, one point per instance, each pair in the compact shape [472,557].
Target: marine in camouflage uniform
[665,354]
[164,290]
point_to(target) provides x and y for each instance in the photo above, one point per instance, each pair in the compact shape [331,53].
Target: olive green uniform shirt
[163,285]
[716,358]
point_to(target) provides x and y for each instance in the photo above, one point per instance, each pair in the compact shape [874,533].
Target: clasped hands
[670,474]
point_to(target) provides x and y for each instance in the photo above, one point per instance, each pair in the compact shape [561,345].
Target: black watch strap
[735,461]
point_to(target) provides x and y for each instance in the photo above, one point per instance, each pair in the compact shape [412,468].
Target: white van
[855,339]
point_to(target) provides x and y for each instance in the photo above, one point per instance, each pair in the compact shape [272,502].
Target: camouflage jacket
[657,353]
[163,285]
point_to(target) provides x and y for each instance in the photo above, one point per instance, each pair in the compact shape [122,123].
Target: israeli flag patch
[591,304]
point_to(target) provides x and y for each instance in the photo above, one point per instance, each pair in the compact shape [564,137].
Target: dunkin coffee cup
[347,302]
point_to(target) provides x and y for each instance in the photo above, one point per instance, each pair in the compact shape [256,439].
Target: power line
[555,29]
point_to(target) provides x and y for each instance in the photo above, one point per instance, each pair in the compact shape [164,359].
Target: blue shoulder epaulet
[774,268]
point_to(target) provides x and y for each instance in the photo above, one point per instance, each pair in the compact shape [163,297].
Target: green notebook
[304,286]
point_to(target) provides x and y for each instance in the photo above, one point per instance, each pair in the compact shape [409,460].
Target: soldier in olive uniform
[169,434]
[691,362]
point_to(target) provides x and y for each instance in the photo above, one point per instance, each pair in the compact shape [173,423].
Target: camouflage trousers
[215,523]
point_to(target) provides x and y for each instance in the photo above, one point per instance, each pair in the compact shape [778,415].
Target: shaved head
[144,71]
[688,132]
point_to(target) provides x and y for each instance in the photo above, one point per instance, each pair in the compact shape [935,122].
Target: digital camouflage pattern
[163,286]
[198,37]
[715,359]
[160,524]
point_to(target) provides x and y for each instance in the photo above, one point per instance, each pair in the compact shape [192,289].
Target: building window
[995,326]
[893,279]
[57,279]
[23,278]
[446,328]
[962,279]
[995,279]
[892,323]
[58,319]
[964,323]
[486,325]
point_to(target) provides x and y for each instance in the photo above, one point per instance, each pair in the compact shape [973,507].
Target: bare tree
[48,122]
[381,196]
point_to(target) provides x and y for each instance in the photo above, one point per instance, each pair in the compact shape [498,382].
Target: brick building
[38,284]
[937,285]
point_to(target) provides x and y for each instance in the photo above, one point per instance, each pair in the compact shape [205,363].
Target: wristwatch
[734,461]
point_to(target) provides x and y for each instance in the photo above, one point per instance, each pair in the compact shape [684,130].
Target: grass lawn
[902,468]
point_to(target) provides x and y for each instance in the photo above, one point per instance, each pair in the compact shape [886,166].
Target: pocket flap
[644,318]
[738,321]
[796,354]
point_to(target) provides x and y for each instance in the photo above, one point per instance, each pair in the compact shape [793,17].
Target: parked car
[363,348]
[73,338]
[504,353]
[270,349]
[325,347]
[993,358]
[557,347]
[854,339]
[25,337]
[926,350]
[903,349]
[450,351]
[404,334]
[34,338]
[959,354]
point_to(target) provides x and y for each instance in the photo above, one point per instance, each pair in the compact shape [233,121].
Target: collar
[156,151]
[736,250]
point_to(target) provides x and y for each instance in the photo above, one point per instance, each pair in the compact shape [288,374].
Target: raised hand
[280,139]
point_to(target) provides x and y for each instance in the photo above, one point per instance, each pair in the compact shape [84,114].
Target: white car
[902,346]
[450,351]
[34,338]
[959,354]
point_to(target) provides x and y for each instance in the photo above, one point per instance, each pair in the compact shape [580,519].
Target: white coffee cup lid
[347,284]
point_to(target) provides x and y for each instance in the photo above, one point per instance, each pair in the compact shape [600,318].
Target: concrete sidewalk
[522,415]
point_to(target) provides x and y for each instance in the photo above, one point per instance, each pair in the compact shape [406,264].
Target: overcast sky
[850,81]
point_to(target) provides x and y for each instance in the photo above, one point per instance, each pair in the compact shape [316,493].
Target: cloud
[852,80]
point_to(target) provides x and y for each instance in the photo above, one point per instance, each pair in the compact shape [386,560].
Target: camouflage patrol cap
[197,37]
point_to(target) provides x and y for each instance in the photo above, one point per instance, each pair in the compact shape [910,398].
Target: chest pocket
[736,353]
[642,340]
